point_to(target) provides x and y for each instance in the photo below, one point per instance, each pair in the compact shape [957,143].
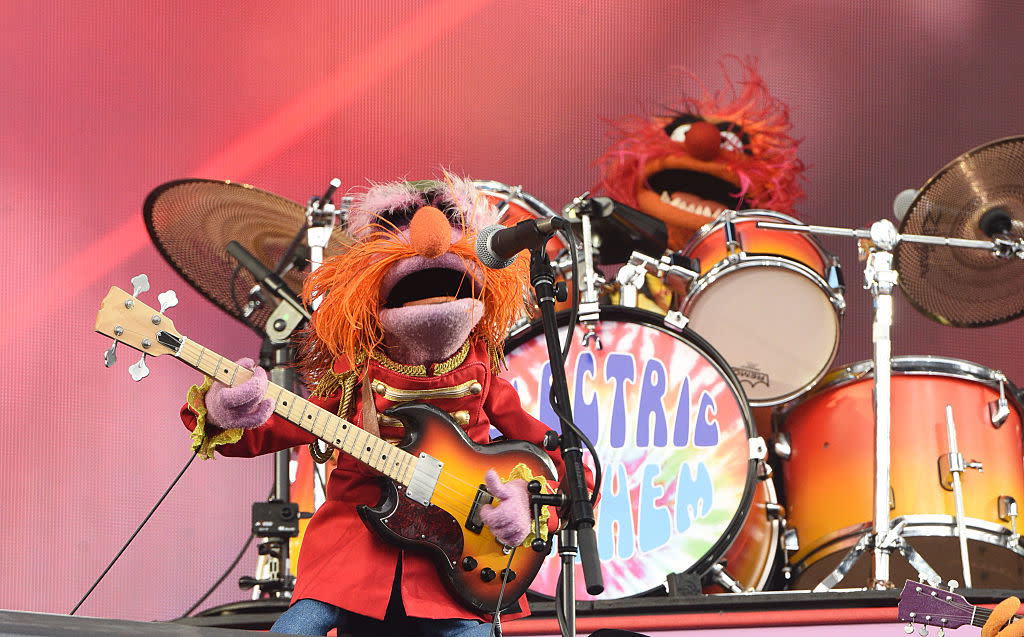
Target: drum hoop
[498,188]
[917,525]
[702,564]
[705,231]
[725,267]
[922,366]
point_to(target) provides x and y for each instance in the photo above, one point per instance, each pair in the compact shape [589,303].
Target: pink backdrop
[105,100]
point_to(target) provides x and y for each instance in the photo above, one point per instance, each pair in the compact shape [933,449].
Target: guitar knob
[487,574]
[468,563]
[508,574]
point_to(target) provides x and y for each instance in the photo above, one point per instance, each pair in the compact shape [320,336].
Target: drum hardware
[880,278]
[1008,513]
[672,269]
[999,410]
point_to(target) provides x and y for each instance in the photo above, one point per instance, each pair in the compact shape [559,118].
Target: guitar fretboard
[332,429]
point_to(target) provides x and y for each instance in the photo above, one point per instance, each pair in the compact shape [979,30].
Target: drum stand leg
[893,539]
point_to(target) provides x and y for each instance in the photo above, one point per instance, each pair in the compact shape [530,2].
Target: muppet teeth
[703,210]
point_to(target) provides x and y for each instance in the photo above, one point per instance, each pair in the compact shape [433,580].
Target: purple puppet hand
[510,519]
[242,405]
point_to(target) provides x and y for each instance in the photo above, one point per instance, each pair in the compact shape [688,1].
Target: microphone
[266,278]
[497,246]
[901,204]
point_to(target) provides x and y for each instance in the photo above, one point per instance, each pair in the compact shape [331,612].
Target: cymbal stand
[277,356]
[880,279]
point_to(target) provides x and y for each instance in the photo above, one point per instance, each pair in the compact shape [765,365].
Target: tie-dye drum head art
[673,432]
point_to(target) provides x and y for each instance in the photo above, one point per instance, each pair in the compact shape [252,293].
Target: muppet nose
[430,233]
[703,141]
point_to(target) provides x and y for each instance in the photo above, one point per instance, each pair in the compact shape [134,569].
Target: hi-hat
[961,286]
[191,221]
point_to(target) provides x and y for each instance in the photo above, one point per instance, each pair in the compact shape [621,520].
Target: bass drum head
[672,429]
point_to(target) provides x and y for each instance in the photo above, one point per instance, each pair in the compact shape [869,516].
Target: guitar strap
[369,410]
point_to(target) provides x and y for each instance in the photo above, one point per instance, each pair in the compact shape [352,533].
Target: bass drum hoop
[702,565]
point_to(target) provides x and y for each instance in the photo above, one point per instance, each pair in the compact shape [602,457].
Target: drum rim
[701,565]
[921,365]
[922,525]
[836,300]
[748,214]
[497,187]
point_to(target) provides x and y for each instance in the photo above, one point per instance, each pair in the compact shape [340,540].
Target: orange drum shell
[709,246]
[829,478]
[750,559]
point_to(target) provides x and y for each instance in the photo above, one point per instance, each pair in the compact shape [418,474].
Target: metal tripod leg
[893,540]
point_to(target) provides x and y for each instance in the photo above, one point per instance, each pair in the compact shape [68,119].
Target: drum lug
[676,320]
[764,470]
[758,449]
[1008,513]
[790,541]
[999,410]
[783,448]
[733,244]
[775,512]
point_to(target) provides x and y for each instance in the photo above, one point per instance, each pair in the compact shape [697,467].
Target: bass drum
[829,474]
[680,490]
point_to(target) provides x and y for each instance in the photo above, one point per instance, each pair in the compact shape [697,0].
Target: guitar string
[456,501]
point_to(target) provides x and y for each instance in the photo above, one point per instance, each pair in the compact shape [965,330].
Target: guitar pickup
[482,499]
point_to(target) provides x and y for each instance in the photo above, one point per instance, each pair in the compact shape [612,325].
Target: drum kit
[672,352]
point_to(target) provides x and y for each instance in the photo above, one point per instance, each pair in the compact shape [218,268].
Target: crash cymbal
[191,221]
[962,286]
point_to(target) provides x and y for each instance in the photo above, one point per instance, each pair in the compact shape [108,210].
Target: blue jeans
[313,617]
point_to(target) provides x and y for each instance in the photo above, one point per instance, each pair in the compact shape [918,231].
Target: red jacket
[344,563]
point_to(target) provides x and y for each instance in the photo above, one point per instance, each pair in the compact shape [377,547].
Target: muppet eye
[730,140]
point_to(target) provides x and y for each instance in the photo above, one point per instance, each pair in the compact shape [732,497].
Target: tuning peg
[909,628]
[110,356]
[923,631]
[139,370]
[167,300]
[140,284]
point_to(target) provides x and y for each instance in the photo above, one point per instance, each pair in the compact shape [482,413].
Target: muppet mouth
[693,191]
[430,286]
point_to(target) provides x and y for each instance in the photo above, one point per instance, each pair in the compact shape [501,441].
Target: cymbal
[966,287]
[191,221]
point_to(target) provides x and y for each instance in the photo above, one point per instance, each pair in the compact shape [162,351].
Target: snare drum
[770,303]
[829,475]
[678,452]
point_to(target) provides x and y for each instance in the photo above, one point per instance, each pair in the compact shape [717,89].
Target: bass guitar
[931,606]
[432,482]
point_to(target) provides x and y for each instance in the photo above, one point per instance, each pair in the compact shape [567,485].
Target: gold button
[461,417]
[380,388]
[476,388]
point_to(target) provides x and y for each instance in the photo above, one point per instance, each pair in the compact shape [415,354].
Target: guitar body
[469,558]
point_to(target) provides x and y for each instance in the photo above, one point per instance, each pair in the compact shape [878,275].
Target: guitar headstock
[932,606]
[125,319]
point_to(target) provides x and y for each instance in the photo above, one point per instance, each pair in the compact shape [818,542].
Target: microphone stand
[580,526]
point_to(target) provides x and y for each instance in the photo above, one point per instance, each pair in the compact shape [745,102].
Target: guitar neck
[375,452]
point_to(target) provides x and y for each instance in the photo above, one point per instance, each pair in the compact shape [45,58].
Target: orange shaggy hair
[347,322]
